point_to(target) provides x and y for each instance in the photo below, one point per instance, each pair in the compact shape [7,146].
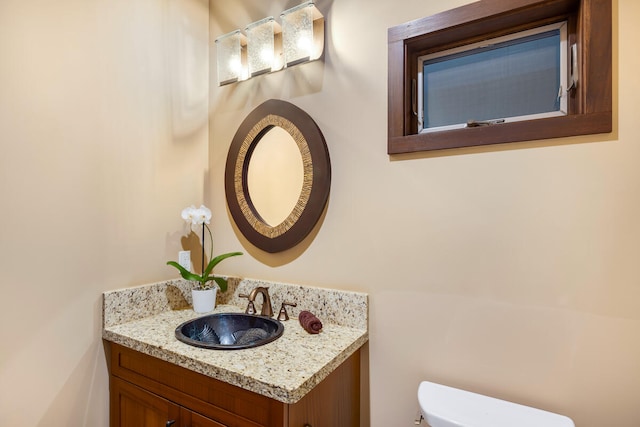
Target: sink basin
[229,331]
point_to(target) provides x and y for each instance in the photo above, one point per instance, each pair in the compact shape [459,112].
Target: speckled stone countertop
[145,318]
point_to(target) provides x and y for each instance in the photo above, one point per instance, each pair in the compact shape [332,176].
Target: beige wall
[103,135]
[511,270]
[508,270]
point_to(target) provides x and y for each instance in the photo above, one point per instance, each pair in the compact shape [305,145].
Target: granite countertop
[145,318]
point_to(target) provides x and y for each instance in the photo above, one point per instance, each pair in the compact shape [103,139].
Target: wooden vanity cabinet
[149,392]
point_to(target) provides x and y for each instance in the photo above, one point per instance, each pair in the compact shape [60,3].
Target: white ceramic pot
[204,301]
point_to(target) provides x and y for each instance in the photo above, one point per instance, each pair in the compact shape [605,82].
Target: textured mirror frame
[316,182]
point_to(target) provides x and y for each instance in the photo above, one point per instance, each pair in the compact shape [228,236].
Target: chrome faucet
[266,300]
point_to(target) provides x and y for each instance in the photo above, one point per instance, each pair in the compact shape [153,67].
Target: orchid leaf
[215,261]
[186,274]
[222,283]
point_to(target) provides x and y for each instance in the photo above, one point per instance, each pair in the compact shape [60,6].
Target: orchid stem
[202,263]
[210,237]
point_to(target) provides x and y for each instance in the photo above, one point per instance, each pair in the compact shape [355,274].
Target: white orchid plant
[196,217]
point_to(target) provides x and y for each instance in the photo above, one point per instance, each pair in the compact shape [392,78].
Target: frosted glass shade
[264,46]
[231,58]
[302,33]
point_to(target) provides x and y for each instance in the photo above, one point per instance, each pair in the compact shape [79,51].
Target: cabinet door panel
[200,421]
[132,406]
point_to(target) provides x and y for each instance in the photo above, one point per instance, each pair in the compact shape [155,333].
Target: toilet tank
[443,406]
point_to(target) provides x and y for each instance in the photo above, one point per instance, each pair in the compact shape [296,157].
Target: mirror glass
[275,176]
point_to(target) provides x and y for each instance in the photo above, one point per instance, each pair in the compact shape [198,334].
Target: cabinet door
[132,406]
[200,421]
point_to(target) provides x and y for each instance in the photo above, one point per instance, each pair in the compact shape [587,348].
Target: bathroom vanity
[147,391]
[298,380]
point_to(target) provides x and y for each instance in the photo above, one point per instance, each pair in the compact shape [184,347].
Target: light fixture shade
[264,46]
[302,33]
[231,57]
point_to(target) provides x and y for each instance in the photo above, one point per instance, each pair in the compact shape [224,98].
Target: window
[500,71]
[517,77]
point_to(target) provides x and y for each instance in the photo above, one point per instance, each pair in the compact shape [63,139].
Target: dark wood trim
[596,26]
[474,19]
[554,127]
[590,107]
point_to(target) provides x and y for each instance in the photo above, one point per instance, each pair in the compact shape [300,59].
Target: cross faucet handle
[283,311]
[251,308]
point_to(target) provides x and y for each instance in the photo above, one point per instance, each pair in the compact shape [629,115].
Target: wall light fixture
[231,57]
[269,46]
[264,46]
[303,33]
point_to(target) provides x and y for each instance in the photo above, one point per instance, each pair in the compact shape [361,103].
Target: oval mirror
[277,176]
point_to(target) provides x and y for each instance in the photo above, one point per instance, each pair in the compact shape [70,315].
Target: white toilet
[443,406]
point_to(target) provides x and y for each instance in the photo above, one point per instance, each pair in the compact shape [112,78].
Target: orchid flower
[199,216]
[196,217]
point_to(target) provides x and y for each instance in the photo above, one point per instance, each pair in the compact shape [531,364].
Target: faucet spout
[266,309]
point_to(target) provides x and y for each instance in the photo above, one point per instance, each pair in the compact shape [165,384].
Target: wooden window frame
[590,103]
